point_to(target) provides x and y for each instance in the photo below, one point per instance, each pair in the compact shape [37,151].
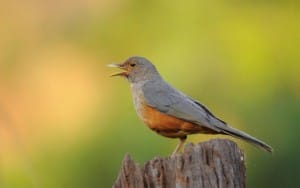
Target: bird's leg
[181,142]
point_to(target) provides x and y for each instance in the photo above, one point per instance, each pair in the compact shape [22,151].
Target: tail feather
[244,136]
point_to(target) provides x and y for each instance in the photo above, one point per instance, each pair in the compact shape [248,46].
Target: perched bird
[169,112]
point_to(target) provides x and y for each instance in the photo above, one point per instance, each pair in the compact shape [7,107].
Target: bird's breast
[160,122]
[138,99]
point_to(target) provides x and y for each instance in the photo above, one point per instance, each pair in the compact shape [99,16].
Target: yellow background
[65,123]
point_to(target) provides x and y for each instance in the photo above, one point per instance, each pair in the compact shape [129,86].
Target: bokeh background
[65,123]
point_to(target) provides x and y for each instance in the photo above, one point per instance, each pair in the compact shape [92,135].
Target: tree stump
[216,163]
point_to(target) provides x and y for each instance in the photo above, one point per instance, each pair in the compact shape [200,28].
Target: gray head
[137,69]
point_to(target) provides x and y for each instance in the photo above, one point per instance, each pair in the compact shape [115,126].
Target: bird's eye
[132,64]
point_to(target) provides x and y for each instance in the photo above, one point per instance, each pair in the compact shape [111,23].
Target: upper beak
[115,65]
[120,66]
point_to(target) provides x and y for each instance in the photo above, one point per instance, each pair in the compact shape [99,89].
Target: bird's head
[136,69]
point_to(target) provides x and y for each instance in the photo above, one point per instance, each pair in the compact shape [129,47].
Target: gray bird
[169,112]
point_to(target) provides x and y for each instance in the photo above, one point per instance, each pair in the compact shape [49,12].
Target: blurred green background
[65,123]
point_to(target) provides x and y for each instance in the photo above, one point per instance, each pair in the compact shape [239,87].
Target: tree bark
[216,163]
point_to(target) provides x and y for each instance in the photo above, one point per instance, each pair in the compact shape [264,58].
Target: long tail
[244,136]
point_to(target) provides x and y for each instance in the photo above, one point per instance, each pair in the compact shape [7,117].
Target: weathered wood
[216,163]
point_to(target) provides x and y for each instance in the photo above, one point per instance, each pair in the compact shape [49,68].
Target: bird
[168,111]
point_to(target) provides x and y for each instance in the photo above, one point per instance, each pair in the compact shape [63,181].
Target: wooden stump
[216,163]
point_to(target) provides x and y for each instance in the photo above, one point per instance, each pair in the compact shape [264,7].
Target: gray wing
[166,99]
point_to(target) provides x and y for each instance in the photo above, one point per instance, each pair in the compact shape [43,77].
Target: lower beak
[120,66]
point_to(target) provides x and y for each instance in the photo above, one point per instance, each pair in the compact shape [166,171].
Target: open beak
[120,66]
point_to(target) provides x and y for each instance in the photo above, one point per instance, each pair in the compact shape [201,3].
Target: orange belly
[170,126]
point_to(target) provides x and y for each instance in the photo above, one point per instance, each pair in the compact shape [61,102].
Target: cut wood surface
[216,163]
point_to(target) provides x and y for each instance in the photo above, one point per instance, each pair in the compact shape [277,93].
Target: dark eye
[132,64]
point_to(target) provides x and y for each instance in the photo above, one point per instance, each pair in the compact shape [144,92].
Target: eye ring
[132,64]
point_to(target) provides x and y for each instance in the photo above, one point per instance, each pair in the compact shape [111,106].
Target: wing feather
[163,97]
[166,99]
